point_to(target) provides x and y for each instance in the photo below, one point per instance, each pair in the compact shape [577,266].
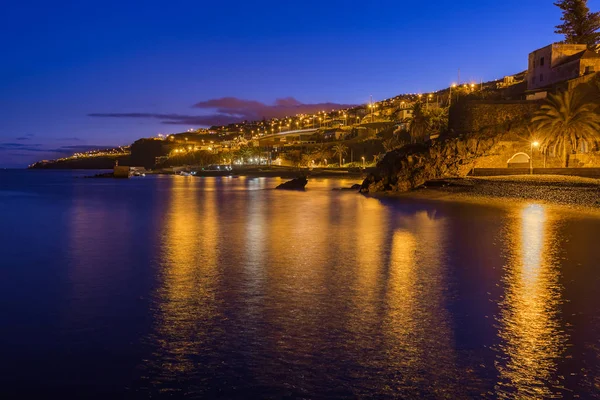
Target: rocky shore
[411,166]
[570,191]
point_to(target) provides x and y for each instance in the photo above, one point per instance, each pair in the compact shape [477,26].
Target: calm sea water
[170,286]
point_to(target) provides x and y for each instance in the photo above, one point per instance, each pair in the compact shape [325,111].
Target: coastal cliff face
[489,133]
[411,166]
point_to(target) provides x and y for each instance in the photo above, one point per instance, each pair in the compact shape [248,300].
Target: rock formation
[411,166]
[294,184]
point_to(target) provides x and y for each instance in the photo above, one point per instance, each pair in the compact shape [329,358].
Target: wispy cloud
[26,137]
[39,148]
[229,110]
[251,109]
[176,119]
[19,146]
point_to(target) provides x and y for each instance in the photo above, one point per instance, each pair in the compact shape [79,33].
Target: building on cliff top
[558,64]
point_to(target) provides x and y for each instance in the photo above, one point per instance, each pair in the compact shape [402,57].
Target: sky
[79,75]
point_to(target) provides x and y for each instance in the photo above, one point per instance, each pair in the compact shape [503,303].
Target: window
[542,61]
[541,77]
[534,63]
[590,70]
[533,80]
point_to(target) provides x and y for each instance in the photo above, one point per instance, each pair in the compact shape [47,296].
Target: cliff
[486,134]
[411,166]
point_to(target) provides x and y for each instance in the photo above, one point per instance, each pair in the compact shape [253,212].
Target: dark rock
[104,175]
[415,165]
[356,187]
[294,184]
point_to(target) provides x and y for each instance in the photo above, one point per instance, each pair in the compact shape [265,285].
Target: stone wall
[583,172]
[474,116]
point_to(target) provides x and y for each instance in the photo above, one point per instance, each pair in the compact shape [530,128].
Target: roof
[586,54]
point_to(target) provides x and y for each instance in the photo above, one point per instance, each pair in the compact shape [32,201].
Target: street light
[533,144]
[450,99]
[363,160]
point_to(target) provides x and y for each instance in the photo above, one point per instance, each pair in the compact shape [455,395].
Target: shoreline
[283,173]
[567,192]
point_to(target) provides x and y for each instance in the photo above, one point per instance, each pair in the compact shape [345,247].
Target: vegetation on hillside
[579,24]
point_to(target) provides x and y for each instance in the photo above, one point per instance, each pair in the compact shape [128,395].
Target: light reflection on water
[260,287]
[207,287]
[189,274]
[533,341]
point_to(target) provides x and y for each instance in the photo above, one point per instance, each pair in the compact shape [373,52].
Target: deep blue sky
[64,60]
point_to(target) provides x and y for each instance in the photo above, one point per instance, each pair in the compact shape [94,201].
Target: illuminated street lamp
[533,144]
[450,99]
[363,160]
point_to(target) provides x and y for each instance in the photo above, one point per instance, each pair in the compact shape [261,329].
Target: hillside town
[524,112]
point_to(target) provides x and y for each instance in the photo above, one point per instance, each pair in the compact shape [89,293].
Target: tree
[307,159]
[340,150]
[580,26]
[294,157]
[564,122]
[321,153]
[419,123]
[438,119]
[393,143]
[244,153]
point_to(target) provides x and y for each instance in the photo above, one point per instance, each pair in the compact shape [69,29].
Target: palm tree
[340,150]
[378,157]
[294,157]
[564,122]
[389,144]
[438,120]
[419,123]
[256,153]
[244,153]
[321,153]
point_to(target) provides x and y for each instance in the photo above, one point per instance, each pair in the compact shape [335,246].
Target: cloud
[26,137]
[255,110]
[176,119]
[228,110]
[38,148]
[19,146]
[82,147]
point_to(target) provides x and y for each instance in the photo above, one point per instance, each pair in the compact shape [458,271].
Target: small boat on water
[183,173]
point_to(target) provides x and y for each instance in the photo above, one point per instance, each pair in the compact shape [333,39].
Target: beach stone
[294,184]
